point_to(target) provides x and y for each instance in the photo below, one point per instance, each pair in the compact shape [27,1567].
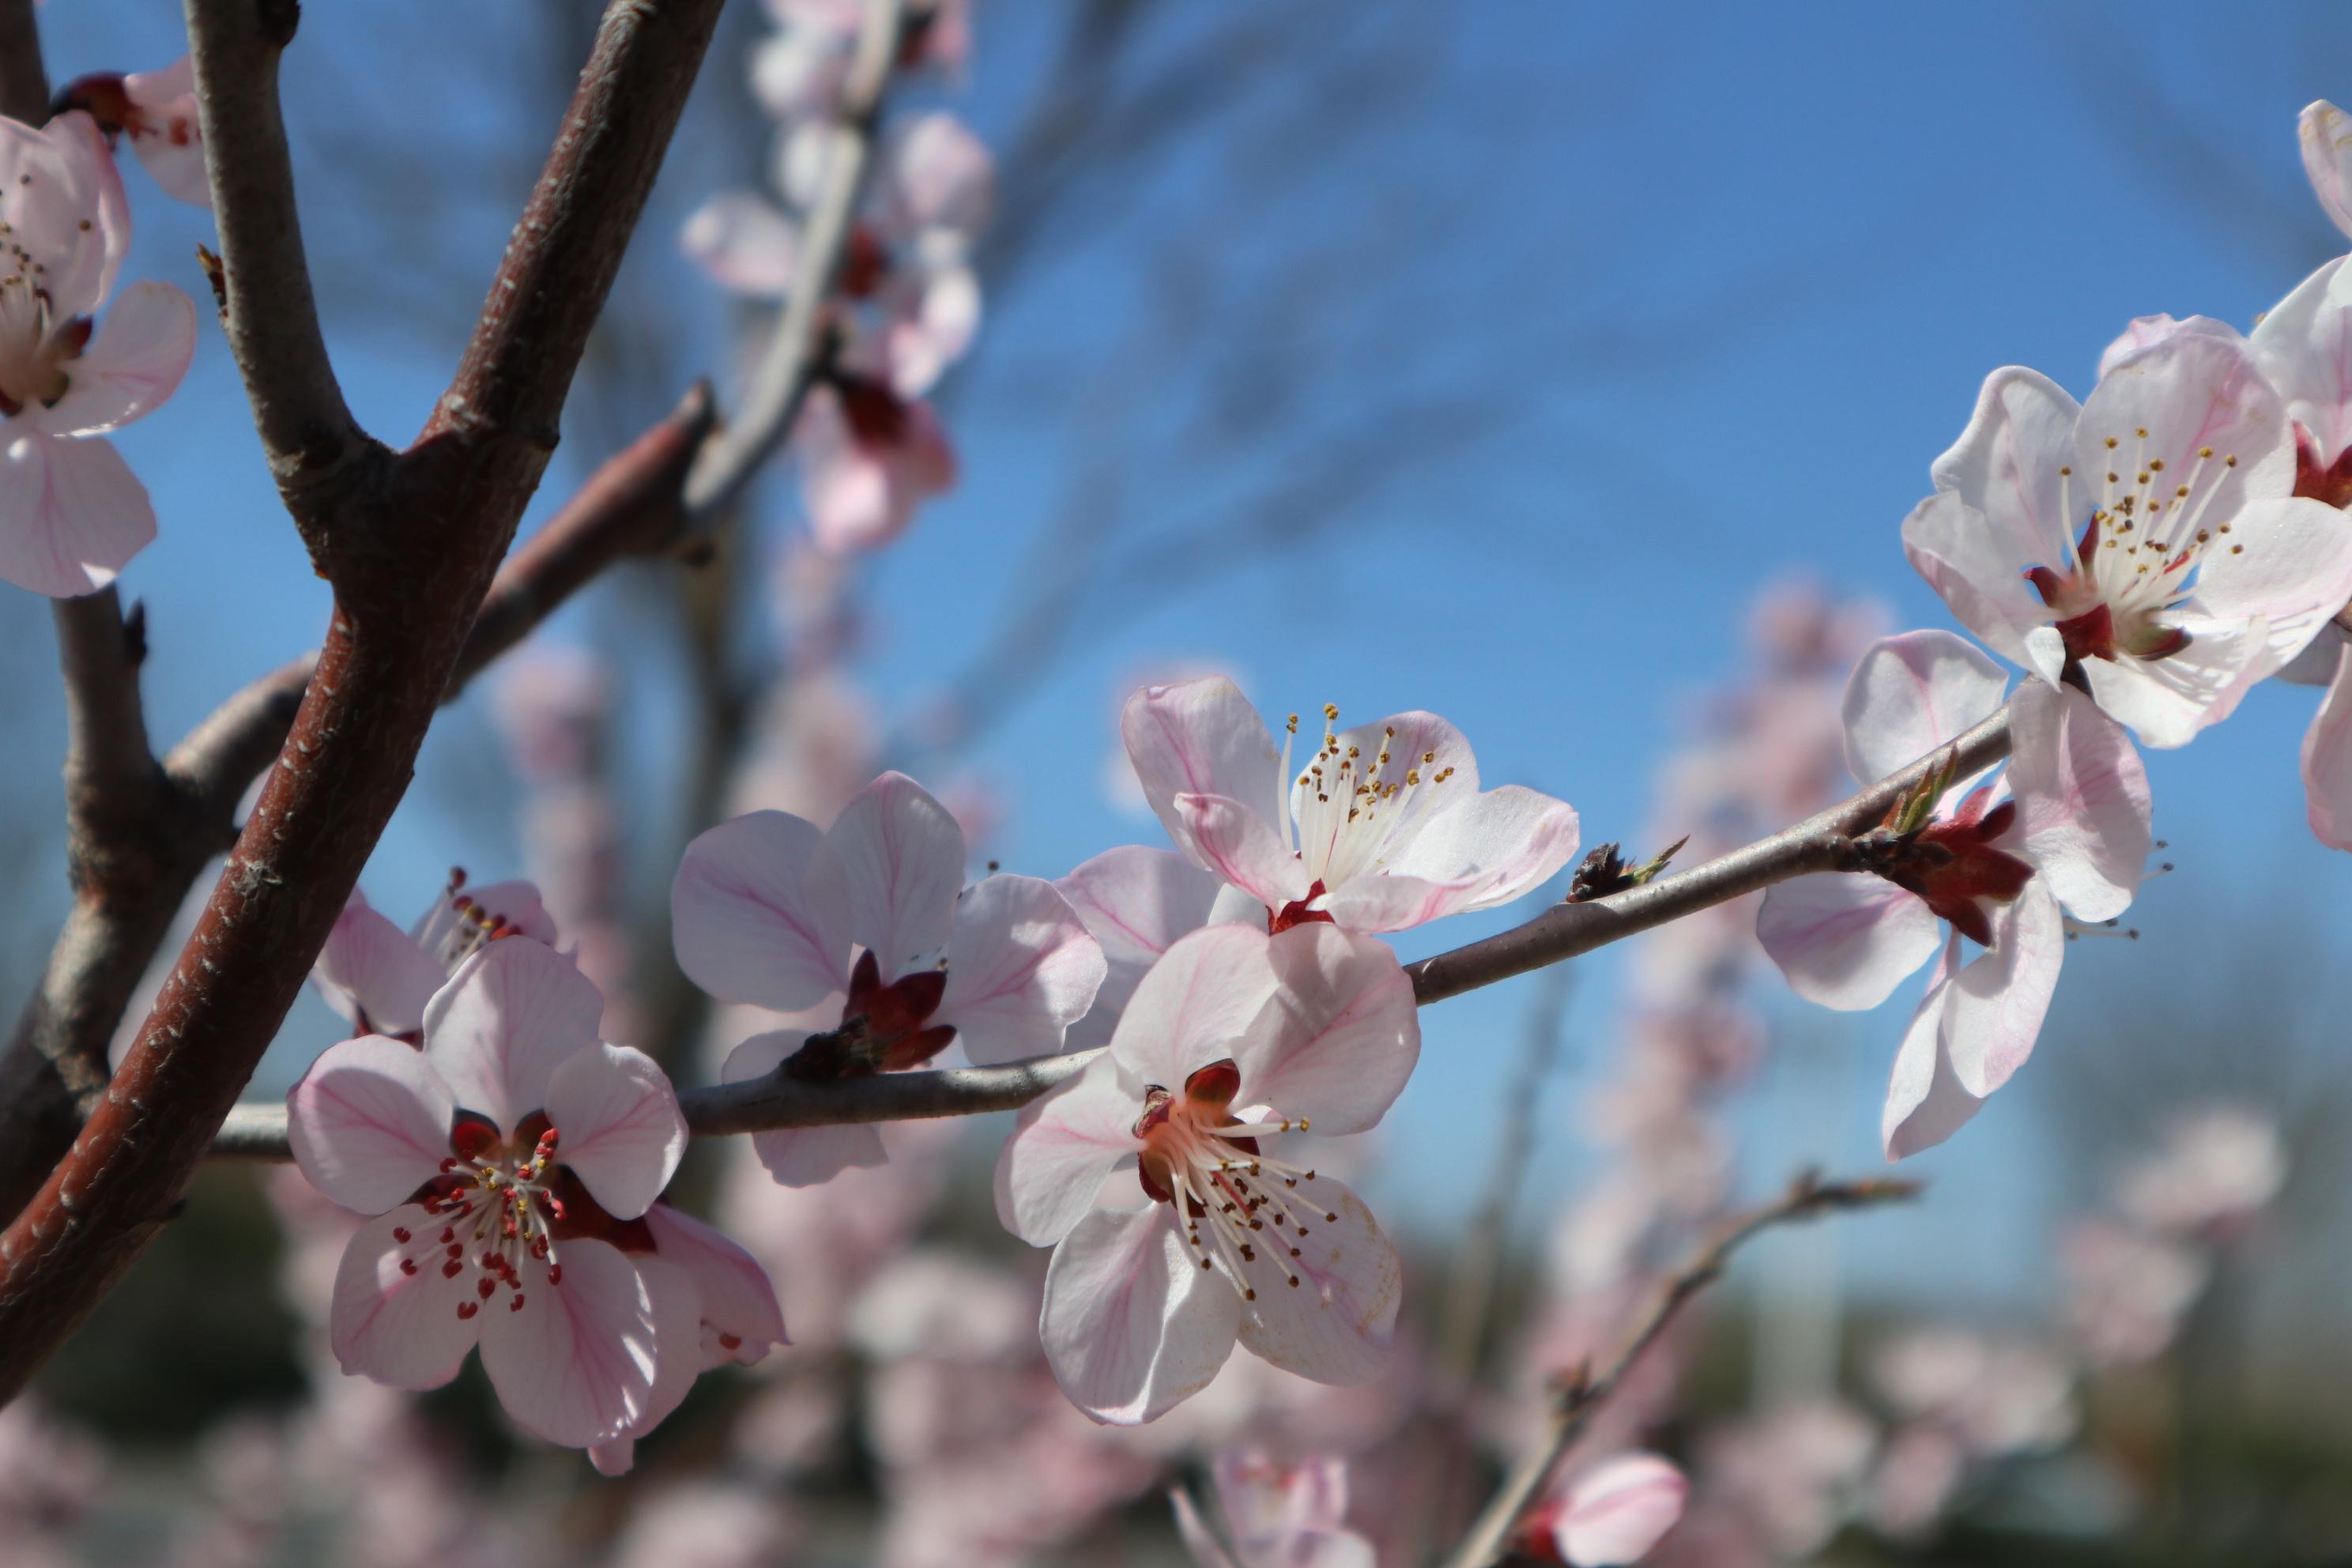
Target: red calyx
[1297,914]
[1954,870]
[2329,482]
[865,265]
[98,95]
[894,1019]
[876,416]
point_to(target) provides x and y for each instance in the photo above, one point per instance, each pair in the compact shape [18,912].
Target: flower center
[1197,1156]
[2138,551]
[1952,866]
[34,345]
[496,1206]
[1349,812]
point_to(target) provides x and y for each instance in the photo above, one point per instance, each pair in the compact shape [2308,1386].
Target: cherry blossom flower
[1997,1395]
[2217,1168]
[767,909]
[1612,1513]
[867,459]
[1384,828]
[2127,1290]
[157,110]
[2148,539]
[800,71]
[510,1163]
[1233,1038]
[1795,1469]
[71,512]
[381,978]
[2000,873]
[1274,1515]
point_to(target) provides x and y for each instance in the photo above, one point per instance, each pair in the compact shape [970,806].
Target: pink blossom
[157,110]
[71,512]
[1384,826]
[505,1162]
[381,978]
[1997,872]
[2127,1290]
[1610,1513]
[868,457]
[2197,571]
[1997,1396]
[1274,1515]
[768,910]
[1233,1038]
[1796,1470]
[2217,1168]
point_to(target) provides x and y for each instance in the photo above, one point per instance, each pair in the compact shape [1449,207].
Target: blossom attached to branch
[156,111]
[1270,1514]
[1610,1514]
[380,979]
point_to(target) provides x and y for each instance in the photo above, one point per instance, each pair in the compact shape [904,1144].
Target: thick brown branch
[410,548]
[1587,1390]
[24,83]
[268,314]
[796,349]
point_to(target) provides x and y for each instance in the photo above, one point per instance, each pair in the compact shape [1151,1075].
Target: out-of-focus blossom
[71,512]
[2000,872]
[2126,1291]
[1233,1038]
[868,457]
[494,1219]
[1383,828]
[707,1525]
[1997,1396]
[1919,1472]
[1607,1514]
[1273,1515]
[2217,1168]
[768,910]
[50,1473]
[381,978]
[2149,538]
[1795,1470]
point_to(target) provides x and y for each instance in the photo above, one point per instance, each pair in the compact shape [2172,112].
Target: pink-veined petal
[620,1127]
[741,1320]
[397,1326]
[1197,1002]
[514,1012]
[132,363]
[372,970]
[812,1156]
[2146,332]
[1022,969]
[2305,345]
[72,514]
[2328,760]
[1911,694]
[1342,1035]
[1484,850]
[752,921]
[1976,571]
[2188,391]
[2326,137]
[1132,1327]
[1063,1150]
[2004,468]
[1616,1511]
[2084,808]
[1240,847]
[2288,564]
[1844,940]
[370,1122]
[1200,737]
[896,856]
[2168,702]
[62,200]
[1136,901]
[1998,1002]
[578,1363]
[1924,1103]
[744,243]
[1337,1324]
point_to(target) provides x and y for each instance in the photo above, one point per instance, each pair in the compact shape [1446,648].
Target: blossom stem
[1582,1394]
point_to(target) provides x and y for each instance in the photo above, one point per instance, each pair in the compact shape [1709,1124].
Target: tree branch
[796,349]
[24,83]
[267,313]
[410,546]
[1583,1393]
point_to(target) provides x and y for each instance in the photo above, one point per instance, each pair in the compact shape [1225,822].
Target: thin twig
[1586,1391]
[796,349]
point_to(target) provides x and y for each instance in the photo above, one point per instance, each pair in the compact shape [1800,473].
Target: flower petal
[2168,702]
[1998,1002]
[1132,1327]
[1924,1103]
[2289,564]
[620,1127]
[1200,737]
[577,1364]
[812,1156]
[2146,332]
[370,1122]
[1977,572]
[2188,391]
[1063,1148]
[132,364]
[512,1014]
[2083,800]
[2305,345]
[1339,1324]
[1481,851]
[373,974]
[744,243]
[2326,137]
[72,514]
[1911,694]
[62,201]
[400,1328]
[741,1320]
[1136,901]
[2004,468]
[1204,995]
[1240,846]
[2328,760]
[1342,1037]
[1022,969]
[1845,939]
[898,857]
[1616,1511]
[751,919]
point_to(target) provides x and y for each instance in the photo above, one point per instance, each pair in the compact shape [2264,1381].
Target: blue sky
[1679,298]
